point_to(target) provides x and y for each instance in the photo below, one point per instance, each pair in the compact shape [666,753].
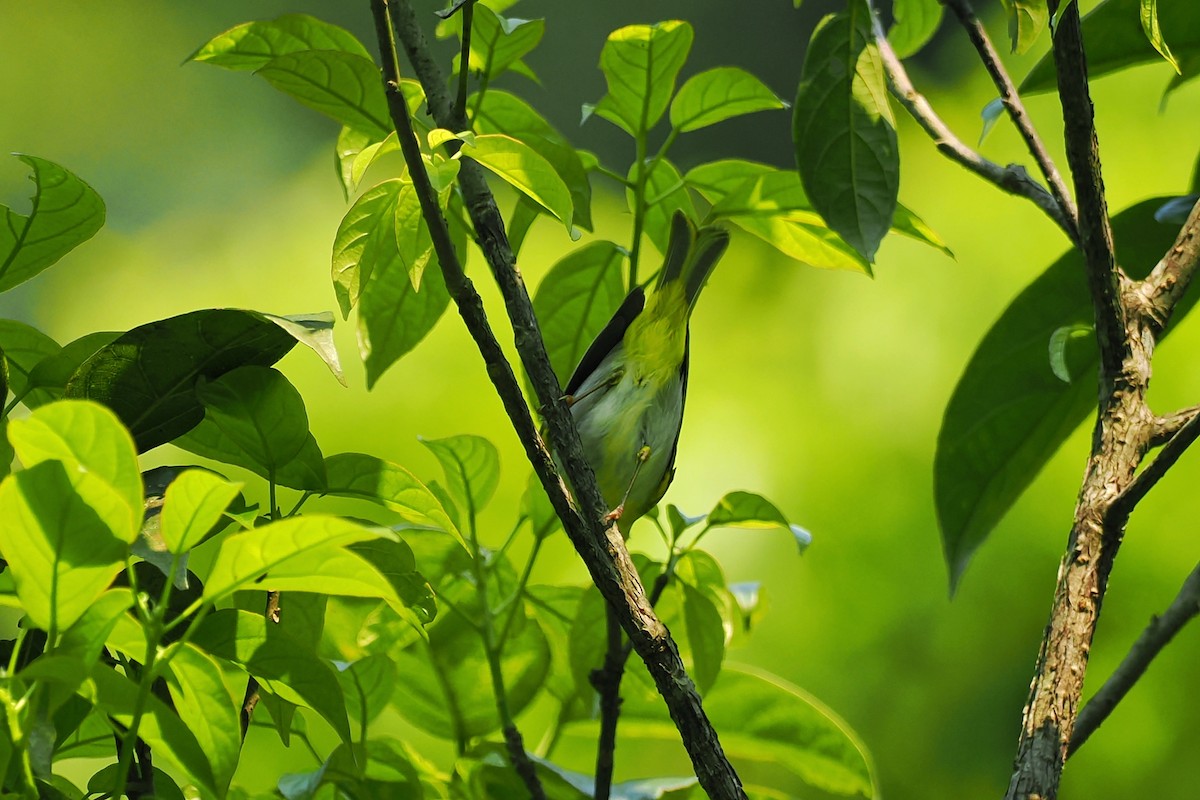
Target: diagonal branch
[1012,179]
[1174,447]
[1154,638]
[601,549]
[1169,280]
[1016,109]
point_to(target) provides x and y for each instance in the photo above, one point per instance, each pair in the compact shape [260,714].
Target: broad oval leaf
[89,440]
[343,86]
[204,703]
[282,665]
[576,299]
[254,418]
[65,213]
[24,348]
[161,728]
[391,486]
[472,467]
[766,720]
[719,94]
[916,21]
[749,510]
[1113,40]
[640,65]
[705,633]
[1009,413]
[252,45]
[502,112]
[61,552]
[498,42]
[148,375]
[195,502]
[48,379]
[844,133]
[525,170]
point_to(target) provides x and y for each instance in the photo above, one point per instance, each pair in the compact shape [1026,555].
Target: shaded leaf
[497,42]
[281,664]
[195,503]
[205,705]
[844,133]
[368,685]
[576,299]
[749,510]
[666,193]
[65,213]
[24,348]
[1113,41]
[1026,21]
[148,375]
[472,467]
[1009,413]
[48,379]
[706,636]
[390,485]
[916,21]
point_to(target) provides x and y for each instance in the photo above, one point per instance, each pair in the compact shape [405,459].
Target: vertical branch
[602,550]
[607,681]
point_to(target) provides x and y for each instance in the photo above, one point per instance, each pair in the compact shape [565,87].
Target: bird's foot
[614,515]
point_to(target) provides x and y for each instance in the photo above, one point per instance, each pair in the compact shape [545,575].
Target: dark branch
[607,681]
[1012,179]
[1016,109]
[1154,638]
[602,549]
[464,64]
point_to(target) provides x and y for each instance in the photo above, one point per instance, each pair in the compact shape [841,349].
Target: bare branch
[1174,447]
[1166,427]
[1016,109]
[601,549]
[1154,638]
[1169,280]
[1012,179]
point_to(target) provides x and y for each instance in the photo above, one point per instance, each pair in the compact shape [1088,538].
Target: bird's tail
[691,255]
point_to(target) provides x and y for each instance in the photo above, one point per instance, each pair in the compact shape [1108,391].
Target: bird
[627,393]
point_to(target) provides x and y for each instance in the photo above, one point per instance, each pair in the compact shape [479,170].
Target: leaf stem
[464,63]
[639,209]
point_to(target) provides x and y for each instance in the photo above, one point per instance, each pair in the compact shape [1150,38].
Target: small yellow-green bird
[627,393]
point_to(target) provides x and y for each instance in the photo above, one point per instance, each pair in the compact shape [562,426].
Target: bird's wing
[608,338]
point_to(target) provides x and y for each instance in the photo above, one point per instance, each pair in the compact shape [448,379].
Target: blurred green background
[821,390]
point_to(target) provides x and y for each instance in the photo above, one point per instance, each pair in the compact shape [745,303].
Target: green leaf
[195,503]
[498,42]
[766,721]
[525,170]
[706,636]
[575,301]
[253,45]
[281,664]
[305,472]
[314,331]
[1026,21]
[376,253]
[666,193]
[774,207]
[907,223]
[455,662]
[749,510]
[502,112]
[85,638]
[161,728]
[844,133]
[1149,14]
[305,554]
[1058,348]
[149,374]
[1009,413]
[391,486]
[205,705]
[24,348]
[719,94]
[394,559]
[1112,42]
[472,467]
[48,379]
[343,86]
[536,506]
[916,21]
[368,684]
[640,65]
[65,213]
[260,416]
[91,443]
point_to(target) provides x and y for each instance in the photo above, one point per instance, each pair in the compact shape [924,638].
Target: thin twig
[1170,278]
[253,691]
[1016,109]
[1012,179]
[464,64]
[601,549]
[1166,427]
[1152,474]
[1154,638]
[607,681]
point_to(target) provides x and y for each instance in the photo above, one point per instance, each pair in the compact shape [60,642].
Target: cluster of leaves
[143,594]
